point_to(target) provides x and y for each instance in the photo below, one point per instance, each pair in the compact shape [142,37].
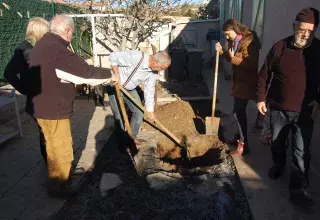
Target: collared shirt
[127,62]
[236,42]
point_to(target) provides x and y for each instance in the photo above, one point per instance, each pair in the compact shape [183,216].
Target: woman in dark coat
[242,52]
[17,73]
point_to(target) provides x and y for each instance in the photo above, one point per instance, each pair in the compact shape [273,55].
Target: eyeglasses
[305,31]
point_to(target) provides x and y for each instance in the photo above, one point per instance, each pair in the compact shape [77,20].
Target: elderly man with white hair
[130,69]
[52,98]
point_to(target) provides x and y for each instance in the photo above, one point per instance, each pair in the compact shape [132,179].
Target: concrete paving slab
[14,150]
[109,181]
[41,208]
[12,206]
[23,173]
[38,171]
[30,188]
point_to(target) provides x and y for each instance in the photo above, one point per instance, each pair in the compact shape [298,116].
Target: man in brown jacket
[52,98]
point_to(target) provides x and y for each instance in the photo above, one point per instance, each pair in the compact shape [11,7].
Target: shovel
[156,122]
[212,123]
[122,109]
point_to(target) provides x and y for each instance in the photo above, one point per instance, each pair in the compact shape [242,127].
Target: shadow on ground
[135,200]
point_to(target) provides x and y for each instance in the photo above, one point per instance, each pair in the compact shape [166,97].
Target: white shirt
[127,62]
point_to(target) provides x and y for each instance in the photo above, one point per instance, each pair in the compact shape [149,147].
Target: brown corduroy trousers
[58,141]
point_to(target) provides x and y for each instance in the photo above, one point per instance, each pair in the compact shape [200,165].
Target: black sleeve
[16,65]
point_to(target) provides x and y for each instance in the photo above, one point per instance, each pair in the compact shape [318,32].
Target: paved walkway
[268,198]
[23,173]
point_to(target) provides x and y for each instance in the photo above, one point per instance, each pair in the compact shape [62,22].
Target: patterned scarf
[236,42]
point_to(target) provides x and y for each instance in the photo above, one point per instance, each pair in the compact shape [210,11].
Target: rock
[109,181]
[147,161]
[160,181]
[208,186]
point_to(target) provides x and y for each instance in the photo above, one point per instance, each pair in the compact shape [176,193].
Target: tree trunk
[123,45]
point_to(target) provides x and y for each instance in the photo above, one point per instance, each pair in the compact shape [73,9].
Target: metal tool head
[212,125]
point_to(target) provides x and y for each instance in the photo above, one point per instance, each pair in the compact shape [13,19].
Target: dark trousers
[42,142]
[301,127]
[98,95]
[137,114]
[240,114]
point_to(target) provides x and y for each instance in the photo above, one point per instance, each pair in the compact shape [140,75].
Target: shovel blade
[212,125]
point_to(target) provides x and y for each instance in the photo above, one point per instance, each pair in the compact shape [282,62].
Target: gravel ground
[216,194]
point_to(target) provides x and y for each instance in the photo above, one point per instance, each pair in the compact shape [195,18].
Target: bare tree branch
[142,18]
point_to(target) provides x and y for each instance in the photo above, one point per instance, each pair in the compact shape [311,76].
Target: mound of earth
[181,119]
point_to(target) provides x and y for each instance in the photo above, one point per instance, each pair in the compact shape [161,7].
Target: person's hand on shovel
[115,78]
[151,117]
[218,47]
[262,107]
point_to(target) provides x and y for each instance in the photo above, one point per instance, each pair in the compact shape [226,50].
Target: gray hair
[61,22]
[162,57]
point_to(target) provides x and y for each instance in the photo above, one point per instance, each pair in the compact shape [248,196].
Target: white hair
[60,23]
[162,57]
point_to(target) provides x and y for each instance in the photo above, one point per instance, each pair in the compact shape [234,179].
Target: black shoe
[77,172]
[276,171]
[301,200]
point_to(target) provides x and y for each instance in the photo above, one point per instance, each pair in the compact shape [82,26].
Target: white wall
[278,19]
[161,39]
[196,32]
[247,13]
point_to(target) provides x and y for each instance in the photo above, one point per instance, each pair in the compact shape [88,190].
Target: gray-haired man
[52,99]
[130,69]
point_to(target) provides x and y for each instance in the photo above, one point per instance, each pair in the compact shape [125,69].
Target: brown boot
[241,150]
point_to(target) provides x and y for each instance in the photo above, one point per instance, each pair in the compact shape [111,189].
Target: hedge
[13,26]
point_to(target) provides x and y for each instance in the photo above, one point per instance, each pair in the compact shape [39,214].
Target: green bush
[12,26]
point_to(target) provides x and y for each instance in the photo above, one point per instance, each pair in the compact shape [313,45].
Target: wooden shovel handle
[126,122]
[215,84]
[158,123]
[123,110]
